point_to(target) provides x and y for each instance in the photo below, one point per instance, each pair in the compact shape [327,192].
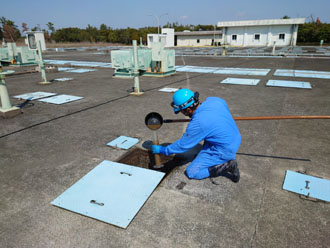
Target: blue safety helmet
[183,99]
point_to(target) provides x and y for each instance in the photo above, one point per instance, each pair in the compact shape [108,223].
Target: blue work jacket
[213,123]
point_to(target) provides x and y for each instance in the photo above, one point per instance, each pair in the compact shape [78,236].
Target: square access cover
[306,185]
[60,99]
[123,142]
[35,95]
[111,192]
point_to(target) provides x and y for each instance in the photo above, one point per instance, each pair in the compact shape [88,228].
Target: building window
[197,40]
[281,36]
[234,37]
[257,36]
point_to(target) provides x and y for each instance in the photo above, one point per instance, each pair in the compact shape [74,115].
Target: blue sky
[136,14]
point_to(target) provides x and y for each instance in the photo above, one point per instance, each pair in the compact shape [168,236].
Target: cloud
[184,17]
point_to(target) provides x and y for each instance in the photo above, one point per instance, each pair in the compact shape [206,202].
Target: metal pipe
[136,70]
[158,21]
[5,100]
[41,64]
[284,117]
[247,118]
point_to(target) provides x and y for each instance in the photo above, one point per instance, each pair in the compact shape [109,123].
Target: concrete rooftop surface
[49,147]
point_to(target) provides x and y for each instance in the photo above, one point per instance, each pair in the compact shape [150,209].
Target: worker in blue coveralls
[212,122]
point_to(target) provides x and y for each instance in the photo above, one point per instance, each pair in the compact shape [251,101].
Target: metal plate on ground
[111,192]
[170,90]
[290,84]
[302,73]
[123,142]
[240,81]
[307,185]
[61,99]
[243,71]
[81,70]
[65,68]
[198,69]
[63,79]
[79,63]
[224,70]
[35,95]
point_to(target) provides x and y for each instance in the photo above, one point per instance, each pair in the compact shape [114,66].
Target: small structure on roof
[198,38]
[169,38]
[279,32]
[166,38]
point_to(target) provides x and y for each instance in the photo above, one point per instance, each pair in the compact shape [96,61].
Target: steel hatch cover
[111,192]
[306,185]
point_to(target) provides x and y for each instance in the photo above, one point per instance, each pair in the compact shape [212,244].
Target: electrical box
[4,55]
[157,51]
[18,55]
[26,56]
[122,59]
[156,61]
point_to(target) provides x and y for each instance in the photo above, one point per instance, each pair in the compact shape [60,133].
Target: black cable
[270,156]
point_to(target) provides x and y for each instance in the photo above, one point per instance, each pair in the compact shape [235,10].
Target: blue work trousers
[207,157]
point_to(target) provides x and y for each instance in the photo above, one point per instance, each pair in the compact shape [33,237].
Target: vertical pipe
[136,71]
[41,64]
[274,44]
[136,84]
[5,101]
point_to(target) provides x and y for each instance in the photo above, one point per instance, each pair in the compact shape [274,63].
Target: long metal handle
[283,117]
[156,142]
[246,118]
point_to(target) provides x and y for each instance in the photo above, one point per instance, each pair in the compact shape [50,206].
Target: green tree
[113,36]
[9,30]
[67,35]
[51,27]
[104,33]
[93,33]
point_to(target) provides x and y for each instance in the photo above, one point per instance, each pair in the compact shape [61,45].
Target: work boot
[234,171]
[230,166]
[220,169]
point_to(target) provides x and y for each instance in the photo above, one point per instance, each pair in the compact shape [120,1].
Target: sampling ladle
[160,119]
[154,121]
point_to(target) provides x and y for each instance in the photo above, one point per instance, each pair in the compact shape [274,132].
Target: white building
[282,32]
[166,37]
[197,38]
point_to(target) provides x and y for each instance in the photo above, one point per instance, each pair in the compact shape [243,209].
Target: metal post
[136,71]
[41,65]
[224,50]
[6,110]
[141,43]
[274,44]
[158,21]
[214,44]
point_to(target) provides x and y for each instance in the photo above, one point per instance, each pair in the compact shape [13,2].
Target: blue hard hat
[182,99]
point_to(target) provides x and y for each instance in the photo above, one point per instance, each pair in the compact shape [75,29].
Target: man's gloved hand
[156,149]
